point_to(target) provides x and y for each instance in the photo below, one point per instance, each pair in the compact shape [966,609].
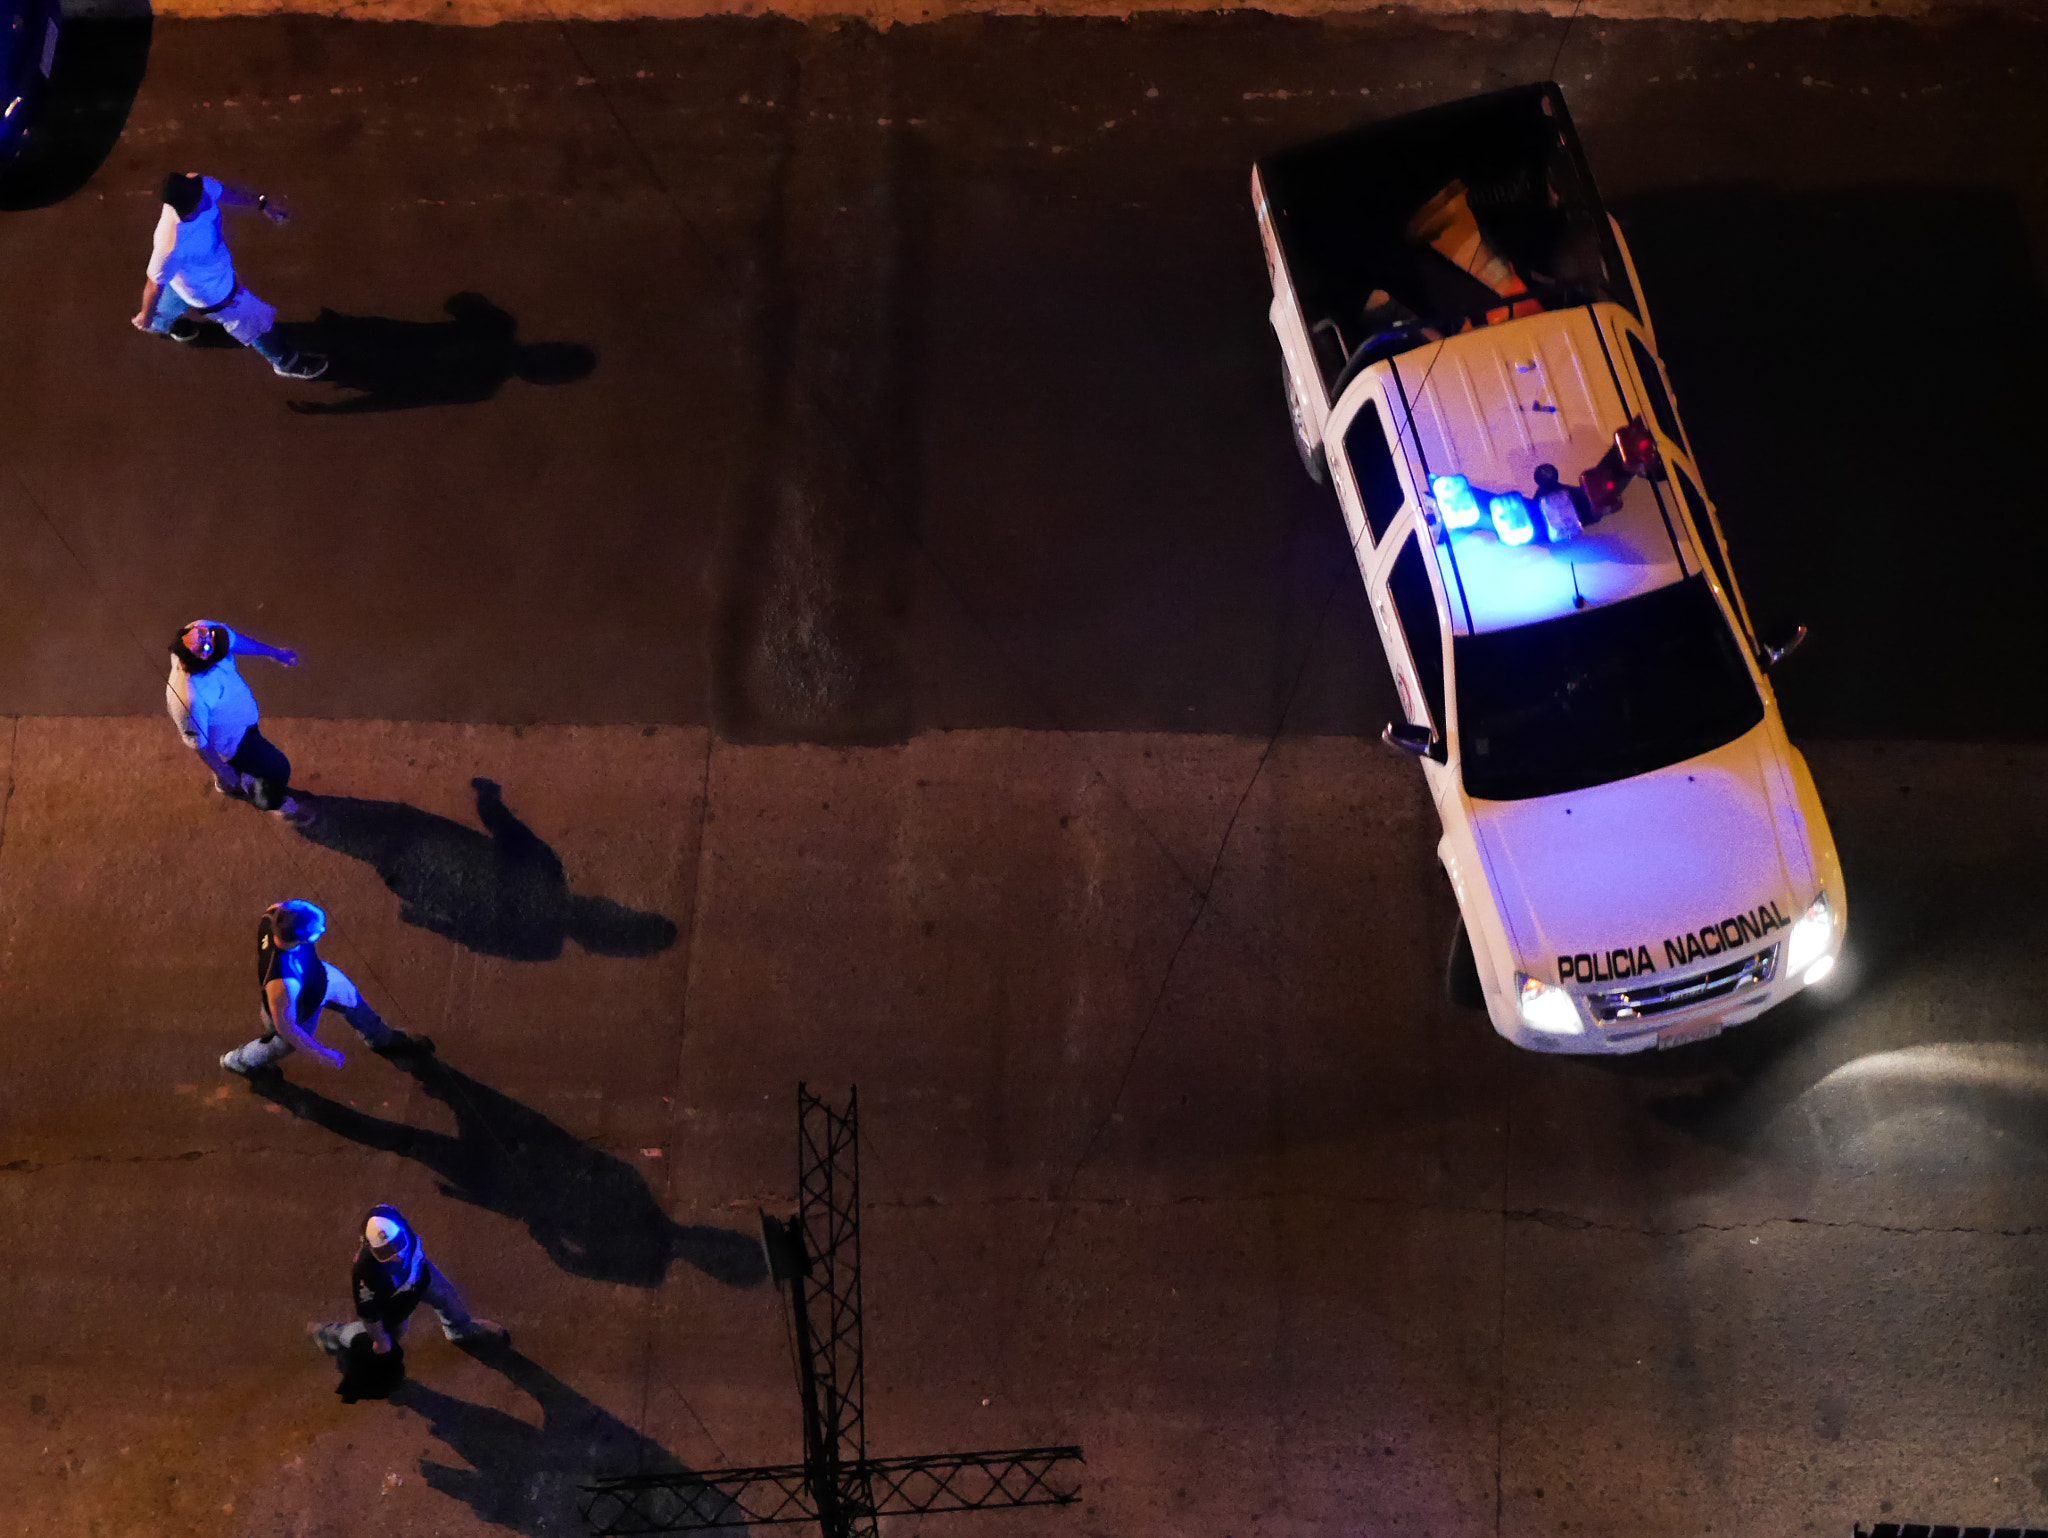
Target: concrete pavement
[895,13]
[1039,476]
[1170,1147]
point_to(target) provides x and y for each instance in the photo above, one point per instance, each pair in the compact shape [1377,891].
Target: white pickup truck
[1639,855]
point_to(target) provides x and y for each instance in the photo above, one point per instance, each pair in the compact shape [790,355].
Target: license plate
[1686,1035]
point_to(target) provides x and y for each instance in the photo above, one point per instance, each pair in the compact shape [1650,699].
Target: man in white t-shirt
[192,275]
[216,715]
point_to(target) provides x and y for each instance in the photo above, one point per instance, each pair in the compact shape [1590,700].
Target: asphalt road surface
[832,488]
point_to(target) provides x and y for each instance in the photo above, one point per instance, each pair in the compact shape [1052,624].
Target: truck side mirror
[1408,737]
[1776,652]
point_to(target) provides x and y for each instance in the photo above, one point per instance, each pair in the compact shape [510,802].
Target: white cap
[383,1232]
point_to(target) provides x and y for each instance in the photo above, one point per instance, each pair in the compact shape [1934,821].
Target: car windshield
[1600,695]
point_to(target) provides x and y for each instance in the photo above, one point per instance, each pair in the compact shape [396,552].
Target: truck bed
[1343,209]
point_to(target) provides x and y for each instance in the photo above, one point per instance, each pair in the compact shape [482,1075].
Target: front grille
[1625,1006]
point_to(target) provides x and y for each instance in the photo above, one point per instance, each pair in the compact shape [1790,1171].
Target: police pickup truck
[1638,854]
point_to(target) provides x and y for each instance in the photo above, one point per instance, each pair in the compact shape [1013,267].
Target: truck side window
[1703,531]
[1372,467]
[1653,386]
[1408,582]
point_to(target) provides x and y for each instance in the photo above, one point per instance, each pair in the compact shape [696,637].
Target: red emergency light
[1603,485]
[1638,449]
[1634,452]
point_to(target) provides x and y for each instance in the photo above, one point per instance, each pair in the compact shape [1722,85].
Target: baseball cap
[383,1232]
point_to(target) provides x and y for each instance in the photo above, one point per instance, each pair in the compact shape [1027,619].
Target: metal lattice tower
[837,1485]
[827,1277]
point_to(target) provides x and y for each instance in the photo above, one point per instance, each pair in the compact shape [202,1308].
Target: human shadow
[501,892]
[530,1478]
[395,365]
[98,69]
[592,1213]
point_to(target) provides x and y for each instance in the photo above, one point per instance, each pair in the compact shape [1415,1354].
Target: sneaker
[481,1332]
[327,1337]
[183,329]
[232,1062]
[303,365]
[295,812]
[402,1044]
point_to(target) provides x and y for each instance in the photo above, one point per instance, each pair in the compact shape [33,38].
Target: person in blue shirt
[216,715]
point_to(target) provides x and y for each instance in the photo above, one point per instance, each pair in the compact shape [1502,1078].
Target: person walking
[392,1277]
[216,715]
[192,275]
[295,986]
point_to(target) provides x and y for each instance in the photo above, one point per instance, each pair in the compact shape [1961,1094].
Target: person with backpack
[295,985]
[392,1277]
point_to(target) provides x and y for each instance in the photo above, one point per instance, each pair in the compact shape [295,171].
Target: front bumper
[1665,1011]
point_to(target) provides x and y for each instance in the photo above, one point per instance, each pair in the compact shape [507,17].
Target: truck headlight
[1806,953]
[1546,1007]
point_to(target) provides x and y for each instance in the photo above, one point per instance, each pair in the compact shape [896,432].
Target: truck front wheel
[1461,972]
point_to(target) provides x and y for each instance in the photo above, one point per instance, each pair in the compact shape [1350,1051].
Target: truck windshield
[1600,695]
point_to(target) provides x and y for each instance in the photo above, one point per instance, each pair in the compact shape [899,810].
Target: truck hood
[1646,875]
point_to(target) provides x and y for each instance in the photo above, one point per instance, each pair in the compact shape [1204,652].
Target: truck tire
[1461,972]
[1313,458]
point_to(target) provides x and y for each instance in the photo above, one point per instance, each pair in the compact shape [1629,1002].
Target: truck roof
[1343,210]
[1492,405]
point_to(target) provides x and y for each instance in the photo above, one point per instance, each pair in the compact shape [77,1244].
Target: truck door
[1369,486]
[1418,619]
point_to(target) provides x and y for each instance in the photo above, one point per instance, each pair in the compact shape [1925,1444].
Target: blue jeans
[264,762]
[169,307]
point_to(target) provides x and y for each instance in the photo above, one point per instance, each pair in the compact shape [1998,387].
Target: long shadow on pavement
[396,365]
[528,1478]
[501,892]
[592,1213]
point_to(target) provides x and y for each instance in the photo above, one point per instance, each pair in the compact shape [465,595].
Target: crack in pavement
[1547,1217]
[885,14]
[1571,1221]
[37,1166]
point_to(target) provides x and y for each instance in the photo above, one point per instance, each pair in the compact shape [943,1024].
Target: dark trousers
[266,764]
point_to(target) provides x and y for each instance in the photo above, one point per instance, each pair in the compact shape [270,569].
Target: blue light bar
[1511,519]
[1454,500]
